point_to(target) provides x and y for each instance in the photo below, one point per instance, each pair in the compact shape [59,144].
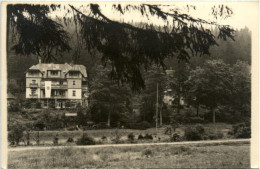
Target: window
[73,93]
[62,93]
[84,83]
[61,82]
[33,73]
[75,74]
[74,83]
[33,91]
[54,73]
[33,81]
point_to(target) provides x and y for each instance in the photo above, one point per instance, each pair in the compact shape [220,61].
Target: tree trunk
[108,119]
[160,118]
[28,138]
[198,107]
[178,100]
[38,138]
[157,106]
[214,118]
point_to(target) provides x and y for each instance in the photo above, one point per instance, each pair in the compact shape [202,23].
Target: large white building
[57,85]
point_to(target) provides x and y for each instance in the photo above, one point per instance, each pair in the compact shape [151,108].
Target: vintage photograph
[129,84]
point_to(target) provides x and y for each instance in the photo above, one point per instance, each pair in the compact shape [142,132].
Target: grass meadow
[228,155]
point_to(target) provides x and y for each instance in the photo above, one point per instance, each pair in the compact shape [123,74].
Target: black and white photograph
[167,84]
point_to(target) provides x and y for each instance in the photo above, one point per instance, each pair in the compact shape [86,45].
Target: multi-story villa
[57,85]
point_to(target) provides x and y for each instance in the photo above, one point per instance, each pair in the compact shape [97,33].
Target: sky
[244,13]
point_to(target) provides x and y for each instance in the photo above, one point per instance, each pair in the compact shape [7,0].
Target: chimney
[40,61]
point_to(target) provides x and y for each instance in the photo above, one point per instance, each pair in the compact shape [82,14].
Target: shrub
[103,137]
[51,105]
[27,104]
[85,140]
[15,133]
[242,130]
[140,137]
[39,125]
[55,140]
[101,125]
[220,135]
[131,137]
[38,105]
[70,140]
[175,137]
[195,133]
[148,136]
[117,138]
[196,120]
[214,136]
[141,126]
[211,136]
[147,152]
[49,119]
[200,129]
[14,107]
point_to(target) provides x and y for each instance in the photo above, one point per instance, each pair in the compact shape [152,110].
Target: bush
[67,104]
[147,152]
[101,125]
[175,137]
[117,138]
[148,136]
[242,130]
[85,140]
[141,126]
[28,104]
[194,133]
[214,136]
[38,105]
[200,129]
[15,133]
[140,137]
[51,105]
[13,107]
[49,119]
[55,140]
[131,136]
[39,125]
[103,137]
[70,140]
[196,120]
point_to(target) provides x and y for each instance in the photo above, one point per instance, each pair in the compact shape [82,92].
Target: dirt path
[129,145]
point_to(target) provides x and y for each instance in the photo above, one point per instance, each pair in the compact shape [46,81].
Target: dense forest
[202,67]
[219,83]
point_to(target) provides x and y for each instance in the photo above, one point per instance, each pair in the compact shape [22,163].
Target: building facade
[57,85]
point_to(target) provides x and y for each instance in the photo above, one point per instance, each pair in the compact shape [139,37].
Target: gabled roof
[65,68]
[80,68]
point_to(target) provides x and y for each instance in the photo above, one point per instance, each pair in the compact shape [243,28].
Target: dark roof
[43,67]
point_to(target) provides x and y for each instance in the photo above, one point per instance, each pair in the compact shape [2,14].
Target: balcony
[55,97]
[56,86]
[33,85]
[33,95]
[59,86]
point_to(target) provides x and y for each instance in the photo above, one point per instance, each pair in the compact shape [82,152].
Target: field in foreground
[228,155]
